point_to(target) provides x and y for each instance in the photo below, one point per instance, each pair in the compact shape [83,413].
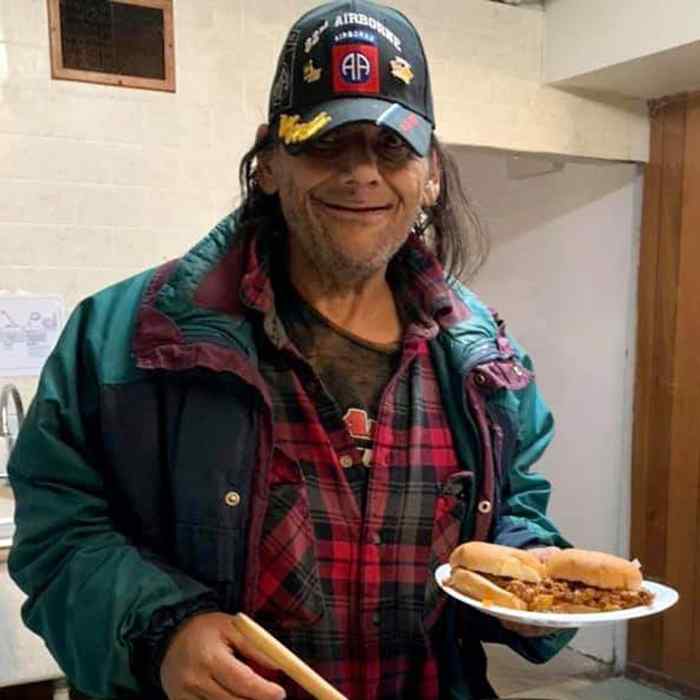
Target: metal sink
[8,395]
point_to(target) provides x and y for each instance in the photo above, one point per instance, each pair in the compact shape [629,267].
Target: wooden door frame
[665,515]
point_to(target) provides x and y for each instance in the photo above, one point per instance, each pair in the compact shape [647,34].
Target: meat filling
[549,594]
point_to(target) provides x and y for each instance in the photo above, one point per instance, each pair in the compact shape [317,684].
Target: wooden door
[665,527]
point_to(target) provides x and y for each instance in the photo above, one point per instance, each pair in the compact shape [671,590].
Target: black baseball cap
[350,61]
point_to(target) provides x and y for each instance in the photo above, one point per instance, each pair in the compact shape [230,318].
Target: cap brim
[413,128]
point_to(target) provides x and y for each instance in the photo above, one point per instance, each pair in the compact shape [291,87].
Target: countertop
[23,655]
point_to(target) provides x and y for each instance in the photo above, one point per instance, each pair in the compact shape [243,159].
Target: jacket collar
[415,275]
[196,310]
[190,315]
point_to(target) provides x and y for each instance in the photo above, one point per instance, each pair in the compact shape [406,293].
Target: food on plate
[595,582]
[571,581]
[495,574]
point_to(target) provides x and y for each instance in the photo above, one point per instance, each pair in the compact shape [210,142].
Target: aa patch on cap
[356,69]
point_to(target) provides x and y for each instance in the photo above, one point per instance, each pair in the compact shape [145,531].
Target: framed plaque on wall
[127,43]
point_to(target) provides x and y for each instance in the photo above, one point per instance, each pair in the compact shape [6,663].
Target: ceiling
[657,75]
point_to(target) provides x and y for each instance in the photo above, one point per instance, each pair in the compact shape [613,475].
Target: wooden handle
[284,659]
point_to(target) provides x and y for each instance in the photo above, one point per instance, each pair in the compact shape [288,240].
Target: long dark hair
[451,227]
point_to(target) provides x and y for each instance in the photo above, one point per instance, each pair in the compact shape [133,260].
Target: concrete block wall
[97,182]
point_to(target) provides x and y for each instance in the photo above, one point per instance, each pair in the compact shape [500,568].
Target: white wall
[486,66]
[585,36]
[562,273]
[98,182]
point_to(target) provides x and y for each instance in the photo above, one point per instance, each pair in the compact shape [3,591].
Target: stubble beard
[332,266]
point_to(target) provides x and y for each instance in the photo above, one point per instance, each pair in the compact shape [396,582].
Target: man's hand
[542,553]
[200,663]
[528,630]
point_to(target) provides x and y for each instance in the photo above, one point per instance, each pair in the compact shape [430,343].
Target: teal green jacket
[119,538]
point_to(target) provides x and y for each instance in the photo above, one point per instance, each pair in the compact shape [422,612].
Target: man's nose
[358,163]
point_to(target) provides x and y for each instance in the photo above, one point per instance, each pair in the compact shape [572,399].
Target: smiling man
[300,418]
[349,201]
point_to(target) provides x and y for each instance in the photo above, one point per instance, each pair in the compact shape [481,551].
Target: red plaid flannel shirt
[352,594]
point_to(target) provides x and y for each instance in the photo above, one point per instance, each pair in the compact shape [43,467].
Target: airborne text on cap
[365,21]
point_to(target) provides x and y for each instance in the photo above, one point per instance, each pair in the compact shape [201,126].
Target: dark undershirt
[354,372]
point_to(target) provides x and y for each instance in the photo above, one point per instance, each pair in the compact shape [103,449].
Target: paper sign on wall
[29,328]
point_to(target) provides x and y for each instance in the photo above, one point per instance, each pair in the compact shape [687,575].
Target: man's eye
[393,141]
[323,146]
[326,142]
[393,146]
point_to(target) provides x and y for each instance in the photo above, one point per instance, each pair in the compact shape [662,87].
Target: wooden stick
[284,659]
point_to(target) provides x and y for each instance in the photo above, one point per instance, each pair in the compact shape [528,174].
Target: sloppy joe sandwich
[495,574]
[586,581]
[571,581]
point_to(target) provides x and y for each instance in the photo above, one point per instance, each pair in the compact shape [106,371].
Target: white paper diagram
[29,329]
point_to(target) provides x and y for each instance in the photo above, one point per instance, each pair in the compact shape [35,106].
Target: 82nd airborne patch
[355,68]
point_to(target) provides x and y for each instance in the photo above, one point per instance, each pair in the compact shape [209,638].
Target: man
[299,419]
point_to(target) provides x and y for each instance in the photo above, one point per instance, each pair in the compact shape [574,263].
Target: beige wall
[486,63]
[624,30]
[98,182]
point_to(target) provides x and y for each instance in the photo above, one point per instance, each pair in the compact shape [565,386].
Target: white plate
[664,597]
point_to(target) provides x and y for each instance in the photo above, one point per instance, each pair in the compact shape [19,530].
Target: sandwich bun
[596,569]
[498,560]
[475,586]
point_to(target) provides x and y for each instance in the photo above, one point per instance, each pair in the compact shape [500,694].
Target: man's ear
[264,167]
[432,187]
[435,170]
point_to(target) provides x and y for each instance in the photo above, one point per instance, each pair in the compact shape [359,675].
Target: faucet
[9,391]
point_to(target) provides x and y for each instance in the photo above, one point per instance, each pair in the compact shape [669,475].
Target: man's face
[349,199]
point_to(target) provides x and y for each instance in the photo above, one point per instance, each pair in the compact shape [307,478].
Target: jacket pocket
[450,509]
[207,553]
[289,586]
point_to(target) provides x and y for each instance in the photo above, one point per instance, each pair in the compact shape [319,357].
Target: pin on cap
[352,61]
